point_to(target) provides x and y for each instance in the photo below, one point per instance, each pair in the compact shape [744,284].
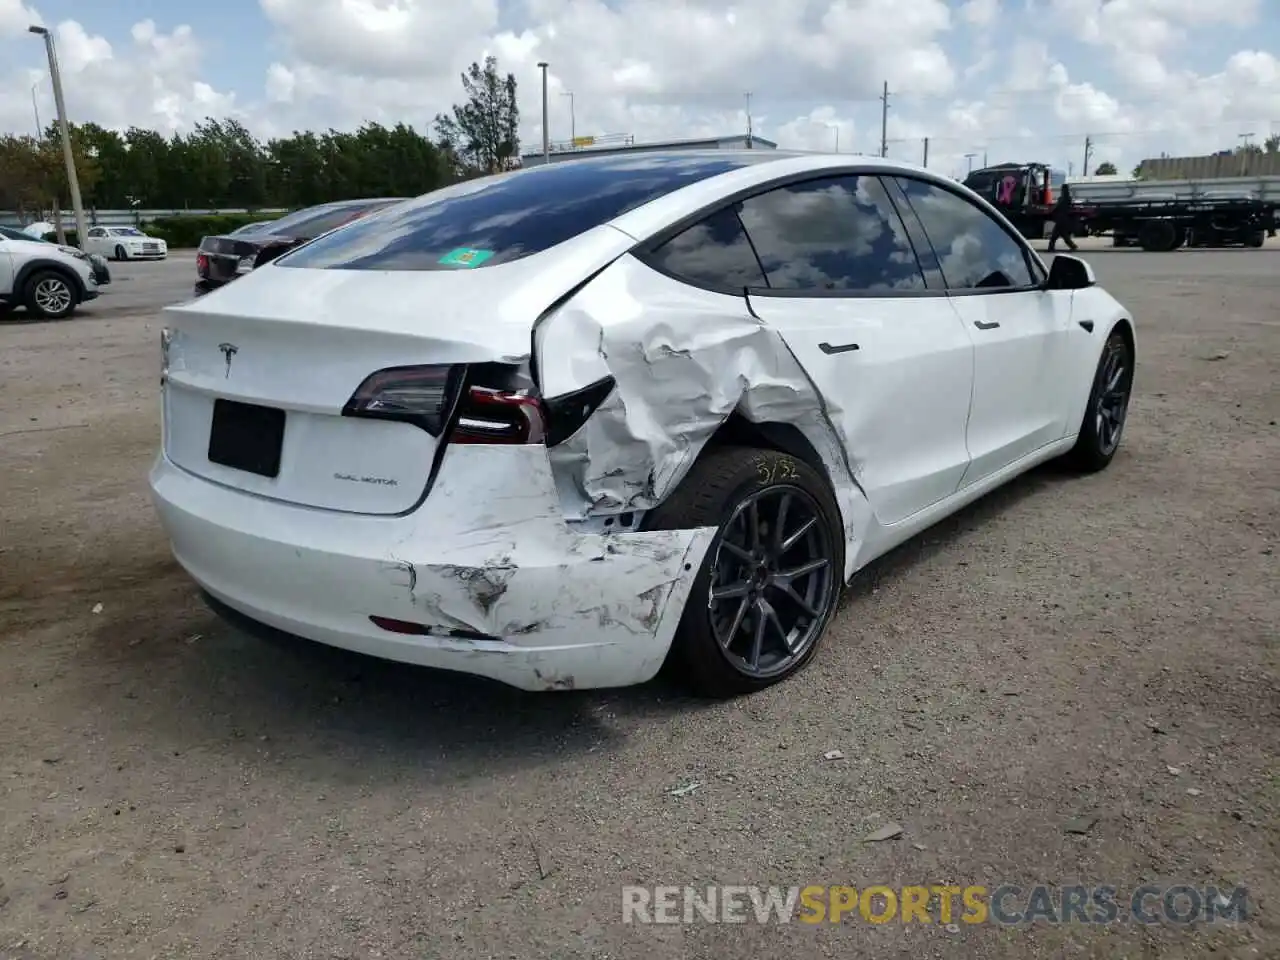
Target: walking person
[1063,219]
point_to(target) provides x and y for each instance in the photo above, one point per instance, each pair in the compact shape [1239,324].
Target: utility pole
[884,121]
[73,181]
[925,161]
[546,134]
[1088,152]
[573,123]
[750,138]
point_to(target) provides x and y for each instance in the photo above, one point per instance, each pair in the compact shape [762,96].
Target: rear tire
[50,295]
[1107,410]
[1158,236]
[765,620]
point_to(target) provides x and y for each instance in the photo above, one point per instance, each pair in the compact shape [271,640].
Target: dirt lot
[1042,663]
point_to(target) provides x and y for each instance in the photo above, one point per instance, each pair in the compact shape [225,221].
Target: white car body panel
[526,563]
[507,589]
[897,383]
[15,254]
[1019,399]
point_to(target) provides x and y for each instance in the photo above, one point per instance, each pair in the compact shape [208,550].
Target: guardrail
[129,218]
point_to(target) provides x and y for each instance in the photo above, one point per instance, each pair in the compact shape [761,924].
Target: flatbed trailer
[1163,225]
[1152,220]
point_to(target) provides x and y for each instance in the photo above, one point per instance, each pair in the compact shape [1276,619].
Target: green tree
[220,164]
[483,132]
[1106,169]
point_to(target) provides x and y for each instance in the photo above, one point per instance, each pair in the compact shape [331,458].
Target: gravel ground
[1042,663]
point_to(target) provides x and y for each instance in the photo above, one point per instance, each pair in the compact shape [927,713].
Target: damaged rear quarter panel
[683,360]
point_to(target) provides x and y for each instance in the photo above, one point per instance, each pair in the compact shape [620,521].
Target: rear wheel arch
[738,431]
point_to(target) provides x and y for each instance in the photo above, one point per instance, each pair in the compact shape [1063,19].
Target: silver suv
[48,279]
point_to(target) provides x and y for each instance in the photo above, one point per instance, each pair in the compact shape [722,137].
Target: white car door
[846,292]
[1020,331]
[95,240]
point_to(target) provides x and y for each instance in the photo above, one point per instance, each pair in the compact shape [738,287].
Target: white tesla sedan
[561,426]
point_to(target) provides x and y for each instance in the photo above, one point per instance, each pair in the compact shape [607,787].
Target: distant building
[613,144]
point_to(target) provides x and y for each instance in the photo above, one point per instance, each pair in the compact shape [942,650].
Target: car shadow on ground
[185,679]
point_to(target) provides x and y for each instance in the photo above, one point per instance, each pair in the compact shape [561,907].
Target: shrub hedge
[188,231]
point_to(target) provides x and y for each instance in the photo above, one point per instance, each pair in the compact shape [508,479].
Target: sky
[1001,80]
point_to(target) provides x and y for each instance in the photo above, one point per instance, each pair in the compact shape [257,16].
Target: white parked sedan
[561,426]
[124,243]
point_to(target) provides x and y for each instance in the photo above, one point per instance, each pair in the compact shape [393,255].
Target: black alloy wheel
[1108,408]
[770,581]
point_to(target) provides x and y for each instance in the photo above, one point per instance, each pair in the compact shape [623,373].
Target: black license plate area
[246,437]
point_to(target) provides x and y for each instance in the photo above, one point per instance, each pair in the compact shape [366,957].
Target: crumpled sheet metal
[677,382]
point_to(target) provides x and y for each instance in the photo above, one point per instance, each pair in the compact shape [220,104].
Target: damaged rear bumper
[487,567]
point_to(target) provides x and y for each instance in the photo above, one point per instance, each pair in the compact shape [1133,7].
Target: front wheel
[771,578]
[1108,408]
[121,253]
[50,295]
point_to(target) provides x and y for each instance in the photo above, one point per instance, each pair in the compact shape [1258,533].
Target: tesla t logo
[229,350]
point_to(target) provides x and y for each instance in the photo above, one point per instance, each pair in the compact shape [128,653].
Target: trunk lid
[257,373]
[225,258]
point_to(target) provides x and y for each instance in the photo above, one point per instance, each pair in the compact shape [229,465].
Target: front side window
[974,251]
[714,252]
[832,234]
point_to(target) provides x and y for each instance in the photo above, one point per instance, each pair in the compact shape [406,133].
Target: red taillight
[419,395]
[475,403]
[486,415]
[202,265]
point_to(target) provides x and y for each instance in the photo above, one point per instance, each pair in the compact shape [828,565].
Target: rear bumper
[504,587]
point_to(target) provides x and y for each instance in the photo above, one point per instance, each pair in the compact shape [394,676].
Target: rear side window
[832,234]
[974,251]
[713,253]
[505,217]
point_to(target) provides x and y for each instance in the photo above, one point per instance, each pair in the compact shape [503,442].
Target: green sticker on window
[465,257]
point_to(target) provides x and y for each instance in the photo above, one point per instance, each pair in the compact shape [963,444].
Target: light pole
[546,136]
[969,157]
[35,107]
[72,181]
[573,125]
[836,128]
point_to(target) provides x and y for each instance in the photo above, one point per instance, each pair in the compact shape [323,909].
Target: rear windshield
[505,217]
[312,222]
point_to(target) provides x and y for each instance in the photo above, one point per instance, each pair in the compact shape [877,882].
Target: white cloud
[974,76]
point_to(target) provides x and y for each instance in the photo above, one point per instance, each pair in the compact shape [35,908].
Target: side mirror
[1070,273]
